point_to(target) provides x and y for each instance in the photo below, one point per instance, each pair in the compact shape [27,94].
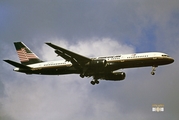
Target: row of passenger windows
[52,64]
[110,57]
[138,56]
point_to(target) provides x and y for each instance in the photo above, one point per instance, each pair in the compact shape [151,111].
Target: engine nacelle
[116,76]
[100,63]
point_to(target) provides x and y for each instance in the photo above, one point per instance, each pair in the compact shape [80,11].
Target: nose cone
[171,60]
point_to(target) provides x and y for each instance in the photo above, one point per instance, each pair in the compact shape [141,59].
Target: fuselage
[114,62]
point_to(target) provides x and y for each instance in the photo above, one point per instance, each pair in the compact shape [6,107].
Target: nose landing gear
[152,73]
[153,70]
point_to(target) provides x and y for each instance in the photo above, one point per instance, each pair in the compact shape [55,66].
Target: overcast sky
[91,28]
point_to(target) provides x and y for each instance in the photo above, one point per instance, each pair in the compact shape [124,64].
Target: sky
[90,28]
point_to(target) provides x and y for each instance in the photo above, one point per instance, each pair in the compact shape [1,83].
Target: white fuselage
[114,62]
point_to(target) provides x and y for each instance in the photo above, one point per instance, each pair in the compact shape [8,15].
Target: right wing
[77,60]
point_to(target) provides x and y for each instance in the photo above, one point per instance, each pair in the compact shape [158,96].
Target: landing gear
[153,73]
[153,70]
[82,75]
[93,82]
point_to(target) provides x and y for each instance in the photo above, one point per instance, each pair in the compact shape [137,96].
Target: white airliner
[100,68]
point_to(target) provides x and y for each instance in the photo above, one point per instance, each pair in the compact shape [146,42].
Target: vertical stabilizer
[26,56]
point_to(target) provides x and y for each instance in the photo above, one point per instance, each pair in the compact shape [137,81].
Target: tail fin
[26,56]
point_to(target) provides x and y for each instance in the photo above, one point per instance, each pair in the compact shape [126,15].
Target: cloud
[93,47]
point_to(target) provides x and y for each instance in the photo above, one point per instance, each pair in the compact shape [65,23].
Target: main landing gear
[82,75]
[153,70]
[95,81]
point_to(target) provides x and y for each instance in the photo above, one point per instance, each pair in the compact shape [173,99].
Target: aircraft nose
[171,60]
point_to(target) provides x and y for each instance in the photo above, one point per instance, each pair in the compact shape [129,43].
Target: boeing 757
[100,68]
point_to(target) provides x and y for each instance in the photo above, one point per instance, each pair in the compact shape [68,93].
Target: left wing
[77,60]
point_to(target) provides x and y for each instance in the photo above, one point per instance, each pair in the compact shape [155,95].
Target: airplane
[100,68]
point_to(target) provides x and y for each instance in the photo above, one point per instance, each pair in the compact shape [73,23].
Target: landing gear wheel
[82,76]
[97,82]
[93,82]
[153,73]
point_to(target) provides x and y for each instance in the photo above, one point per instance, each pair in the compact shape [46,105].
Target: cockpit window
[165,55]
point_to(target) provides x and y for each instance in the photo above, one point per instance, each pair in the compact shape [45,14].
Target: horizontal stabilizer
[17,64]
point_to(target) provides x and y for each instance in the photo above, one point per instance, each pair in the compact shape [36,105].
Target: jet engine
[116,76]
[100,63]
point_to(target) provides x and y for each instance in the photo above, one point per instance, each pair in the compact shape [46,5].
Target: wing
[77,60]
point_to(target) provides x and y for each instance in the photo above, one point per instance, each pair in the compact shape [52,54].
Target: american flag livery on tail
[26,56]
